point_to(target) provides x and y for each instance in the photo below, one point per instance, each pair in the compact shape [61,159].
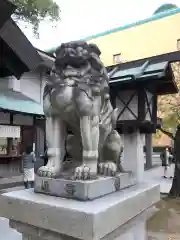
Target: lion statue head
[80,62]
[77,54]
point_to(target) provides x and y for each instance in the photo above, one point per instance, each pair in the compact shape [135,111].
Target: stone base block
[133,229]
[90,220]
[83,190]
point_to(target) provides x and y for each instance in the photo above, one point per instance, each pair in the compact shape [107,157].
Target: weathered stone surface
[83,190]
[135,228]
[89,220]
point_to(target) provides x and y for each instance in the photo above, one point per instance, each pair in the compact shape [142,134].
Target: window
[10,146]
[117,58]
[3,146]
[178,44]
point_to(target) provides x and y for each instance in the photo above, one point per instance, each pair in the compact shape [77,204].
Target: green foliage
[34,11]
[169,106]
[171,121]
[158,134]
[172,115]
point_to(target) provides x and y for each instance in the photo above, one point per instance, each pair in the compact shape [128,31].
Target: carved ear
[94,48]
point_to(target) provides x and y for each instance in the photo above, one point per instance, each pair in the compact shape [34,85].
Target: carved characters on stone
[77,99]
[70,189]
[45,186]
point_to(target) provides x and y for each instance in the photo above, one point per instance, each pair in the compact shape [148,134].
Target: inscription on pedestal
[83,190]
[45,186]
[70,189]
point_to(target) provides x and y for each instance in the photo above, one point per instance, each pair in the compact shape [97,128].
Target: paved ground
[11,189]
[11,182]
[156,175]
[6,233]
[163,236]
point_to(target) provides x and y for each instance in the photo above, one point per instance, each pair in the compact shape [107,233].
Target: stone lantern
[137,110]
[134,89]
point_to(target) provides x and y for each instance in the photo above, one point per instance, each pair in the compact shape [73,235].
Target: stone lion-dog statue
[77,98]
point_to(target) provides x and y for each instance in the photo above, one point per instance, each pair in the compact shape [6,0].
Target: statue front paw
[107,168]
[83,173]
[46,171]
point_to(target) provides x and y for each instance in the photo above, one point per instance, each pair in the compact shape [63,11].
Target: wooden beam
[6,9]
[20,45]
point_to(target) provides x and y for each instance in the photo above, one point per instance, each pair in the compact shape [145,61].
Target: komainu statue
[77,99]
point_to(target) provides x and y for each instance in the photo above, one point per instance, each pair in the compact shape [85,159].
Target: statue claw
[107,168]
[83,173]
[49,172]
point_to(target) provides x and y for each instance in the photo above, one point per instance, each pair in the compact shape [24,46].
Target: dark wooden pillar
[39,127]
[148,144]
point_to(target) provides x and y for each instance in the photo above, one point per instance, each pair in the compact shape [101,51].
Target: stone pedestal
[133,157]
[83,190]
[133,229]
[42,217]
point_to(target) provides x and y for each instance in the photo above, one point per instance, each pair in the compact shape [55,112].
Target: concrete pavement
[11,189]
[7,233]
[11,181]
[156,175]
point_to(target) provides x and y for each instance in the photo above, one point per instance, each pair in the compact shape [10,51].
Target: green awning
[145,70]
[20,104]
[159,74]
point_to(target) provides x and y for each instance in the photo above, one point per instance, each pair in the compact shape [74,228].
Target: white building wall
[4,118]
[10,83]
[4,83]
[13,84]
[32,83]
[30,86]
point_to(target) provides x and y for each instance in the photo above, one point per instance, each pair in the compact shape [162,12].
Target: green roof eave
[134,24]
[155,74]
[147,69]
[165,7]
[20,105]
[143,78]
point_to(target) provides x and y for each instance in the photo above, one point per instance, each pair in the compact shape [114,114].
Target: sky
[82,18]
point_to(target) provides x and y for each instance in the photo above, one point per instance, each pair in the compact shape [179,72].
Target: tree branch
[167,133]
